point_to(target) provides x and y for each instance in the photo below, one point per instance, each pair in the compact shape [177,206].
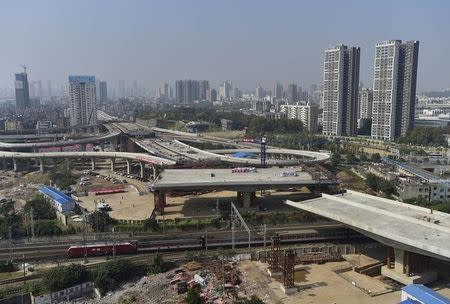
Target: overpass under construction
[413,234]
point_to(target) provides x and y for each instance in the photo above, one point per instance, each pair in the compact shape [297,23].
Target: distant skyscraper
[187,91]
[41,89]
[394,88]
[211,95]
[340,90]
[22,92]
[203,88]
[82,100]
[49,89]
[121,88]
[277,91]
[103,92]
[292,93]
[259,93]
[163,92]
[225,90]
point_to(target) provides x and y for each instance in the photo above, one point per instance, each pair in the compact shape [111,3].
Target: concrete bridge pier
[4,163]
[113,164]
[102,146]
[160,201]
[83,147]
[128,166]
[408,267]
[246,198]
[93,161]
[142,167]
[15,167]
[115,143]
[68,163]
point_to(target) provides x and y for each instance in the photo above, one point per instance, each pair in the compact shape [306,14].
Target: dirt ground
[14,185]
[205,204]
[320,284]
[125,206]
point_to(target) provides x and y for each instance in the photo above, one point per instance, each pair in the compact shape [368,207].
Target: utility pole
[114,243]
[32,223]
[265,234]
[10,244]
[84,239]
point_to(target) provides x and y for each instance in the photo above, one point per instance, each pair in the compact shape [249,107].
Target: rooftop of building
[387,221]
[424,295]
[56,195]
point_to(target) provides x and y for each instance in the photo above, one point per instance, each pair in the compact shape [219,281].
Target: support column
[399,260]
[142,167]
[15,164]
[83,147]
[41,164]
[153,172]
[248,198]
[390,258]
[68,163]
[113,164]
[160,201]
[128,166]
[5,164]
[92,164]
[102,146]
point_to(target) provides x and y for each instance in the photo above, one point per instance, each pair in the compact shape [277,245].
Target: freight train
[288,237]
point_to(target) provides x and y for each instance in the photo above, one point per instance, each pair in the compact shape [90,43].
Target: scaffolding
[274,256]
[288,268]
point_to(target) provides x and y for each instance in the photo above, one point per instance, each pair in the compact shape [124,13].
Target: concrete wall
[68,294]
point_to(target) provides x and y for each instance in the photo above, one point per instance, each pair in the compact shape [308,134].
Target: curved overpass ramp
[87,140]
[150,159]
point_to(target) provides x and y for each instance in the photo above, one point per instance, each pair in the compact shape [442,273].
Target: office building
[22,92]
[307,114]
[365,100]
[237,94]
[292,93]
[277,91]
[82,100]
[103,92]
[340,91]
[394,88]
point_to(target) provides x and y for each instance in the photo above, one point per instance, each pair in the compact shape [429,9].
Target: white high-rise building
[82,100]
[365,100]
[307,114]
[340,90]
[394,88]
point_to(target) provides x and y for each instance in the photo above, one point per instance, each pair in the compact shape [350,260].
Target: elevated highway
[411,233]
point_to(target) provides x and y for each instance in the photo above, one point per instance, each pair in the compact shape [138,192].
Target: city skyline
[247,55]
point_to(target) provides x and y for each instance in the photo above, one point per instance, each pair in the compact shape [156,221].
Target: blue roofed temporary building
[420,294]
[62,202]
[242,154]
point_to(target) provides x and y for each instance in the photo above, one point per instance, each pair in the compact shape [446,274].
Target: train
[203,242]
[101,249]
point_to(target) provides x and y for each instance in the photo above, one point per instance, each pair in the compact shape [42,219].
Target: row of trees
[426,136]
[380,184]
[44,218]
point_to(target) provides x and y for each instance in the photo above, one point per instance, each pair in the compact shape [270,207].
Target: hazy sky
[249,42]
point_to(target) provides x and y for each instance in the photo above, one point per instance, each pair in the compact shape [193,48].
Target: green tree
[62,176]
[193,296]
[151,224]
[99,220]
[47,227]
[42,208]
[109,275]
[158,265]
[376,158]
[61,277]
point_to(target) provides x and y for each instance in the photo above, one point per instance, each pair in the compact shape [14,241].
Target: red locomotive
[101,249]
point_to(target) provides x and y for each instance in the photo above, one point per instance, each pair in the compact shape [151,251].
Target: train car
[101,249]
